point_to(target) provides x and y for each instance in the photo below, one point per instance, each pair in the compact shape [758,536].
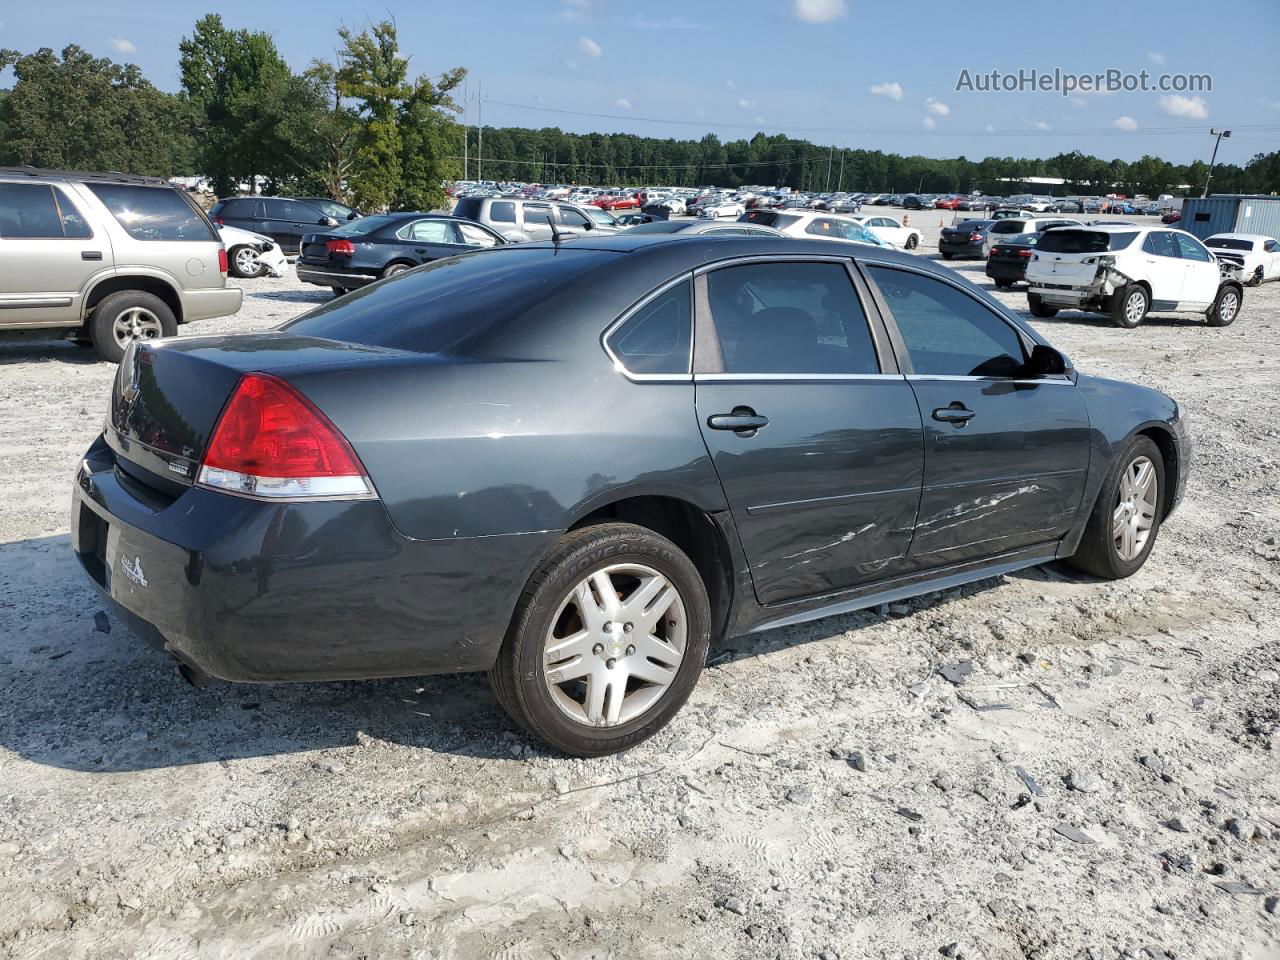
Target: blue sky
[849,72]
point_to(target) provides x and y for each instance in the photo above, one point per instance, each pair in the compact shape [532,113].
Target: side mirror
[353,215]
[1045,361]
[327,222]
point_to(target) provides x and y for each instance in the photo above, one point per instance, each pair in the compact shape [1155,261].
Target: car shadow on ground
[15,348]
[80,691]
[1081,318]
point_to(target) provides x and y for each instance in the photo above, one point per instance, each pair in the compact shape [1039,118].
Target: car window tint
[503,211]
[476,236]
[29,210]
[790,318]
[331,208]
[1009,226]
[534,213]
[1271,246]
[430,231]
[656,338]
[1190,248]
[1161,244]
[237,208]
[946,331]
[74,225]
[572,218]
[153,213]
[275,209]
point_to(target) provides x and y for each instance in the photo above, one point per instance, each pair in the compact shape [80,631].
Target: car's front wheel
[1126,516]
[607,641]
[912,242]
[1226,307]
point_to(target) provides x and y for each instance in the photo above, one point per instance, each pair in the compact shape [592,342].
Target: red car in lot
[617,202]
[1173,216]
[947,203]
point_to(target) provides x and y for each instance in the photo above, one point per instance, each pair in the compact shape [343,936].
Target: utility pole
[466,130]
[480,133]
[840,178]
[831,153]
[1214,132]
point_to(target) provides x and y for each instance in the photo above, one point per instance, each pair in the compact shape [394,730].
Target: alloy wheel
[1135,509]
[1228,306]
[136,323]
[1135,307]
[247,261]
[615,645]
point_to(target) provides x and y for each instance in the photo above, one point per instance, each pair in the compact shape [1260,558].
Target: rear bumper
[1002,270]
[966,249]
[252,591]
[329,276]
[207,304]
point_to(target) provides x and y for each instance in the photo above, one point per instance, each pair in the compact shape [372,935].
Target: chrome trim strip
[311,271]
[774,258]
[735,377]
[924,377]
[13,304]
[629,313]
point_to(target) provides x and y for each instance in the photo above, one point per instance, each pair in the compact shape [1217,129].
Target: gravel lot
[1105,783]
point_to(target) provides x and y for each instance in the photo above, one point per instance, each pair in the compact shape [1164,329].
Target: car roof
[112,176]
[1240,236]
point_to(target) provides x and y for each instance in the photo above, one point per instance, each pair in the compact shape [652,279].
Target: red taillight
[340,246]
[218,220]
[271,442]
[975,236]
[1025,254]
[222,260]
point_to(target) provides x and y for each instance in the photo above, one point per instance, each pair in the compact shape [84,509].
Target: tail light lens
[1026,254]
[341,246]
[218,220]
[272,443]
[975,236]
[222,260]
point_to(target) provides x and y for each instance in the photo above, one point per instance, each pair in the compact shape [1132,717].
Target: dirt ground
[1105,783]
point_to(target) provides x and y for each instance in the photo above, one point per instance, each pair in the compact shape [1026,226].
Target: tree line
[363,129]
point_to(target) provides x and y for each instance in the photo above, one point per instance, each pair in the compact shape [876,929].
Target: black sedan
[371,248]
[517,461]
[1007,262]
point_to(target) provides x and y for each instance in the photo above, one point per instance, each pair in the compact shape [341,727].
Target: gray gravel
[830,791]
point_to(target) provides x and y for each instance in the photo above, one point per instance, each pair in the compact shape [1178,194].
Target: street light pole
[1214,132]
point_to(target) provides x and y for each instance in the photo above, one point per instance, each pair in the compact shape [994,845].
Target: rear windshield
[469,208]
[364,226]
[1009,226]
[1227,243]
[437,307]
[771,218]
[154,213]
[1084,241]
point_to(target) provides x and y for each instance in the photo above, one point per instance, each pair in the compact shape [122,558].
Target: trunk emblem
[134,570]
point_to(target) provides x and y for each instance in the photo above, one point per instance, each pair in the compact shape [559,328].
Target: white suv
[1125,271]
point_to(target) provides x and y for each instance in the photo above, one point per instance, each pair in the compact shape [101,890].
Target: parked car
[917,202]
[251,255]
[383,245]
[704,228]
[1126,271]
[846,205]
[1010,227]
[813,223]
[891,231]
[283,219]
[1008,259]
[1173,216]
[406,481]
[968,238]
[624,201]
[519,219]
[1257,256]
[716,209]
[341,212]
[106,258]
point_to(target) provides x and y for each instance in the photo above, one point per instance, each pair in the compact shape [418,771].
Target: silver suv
[106,258]
[519,219]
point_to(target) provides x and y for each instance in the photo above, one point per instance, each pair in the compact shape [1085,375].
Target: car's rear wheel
[946,256]
[391,269]
[1126,516]
[607,641]
[912,242]
[1226,307]
[1129,306]
[339,291]
[121,318]
[1257,278]
[1039,308]
[245,262]
[1003,284]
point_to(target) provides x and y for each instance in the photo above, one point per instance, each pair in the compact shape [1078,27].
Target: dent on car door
[814,434]
[1005,457]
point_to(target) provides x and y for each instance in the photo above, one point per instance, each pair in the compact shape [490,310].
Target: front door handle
[90,254]
[957,413]
[743,421]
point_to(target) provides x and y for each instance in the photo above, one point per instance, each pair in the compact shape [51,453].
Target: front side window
[947,332]
[1190,248]
[153,213]
[476,236]
[572,218]
[656,338]
[800,318]
[537,214]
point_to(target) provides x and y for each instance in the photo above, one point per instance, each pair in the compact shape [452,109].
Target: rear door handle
[957,413]
[90,254]
[743,421]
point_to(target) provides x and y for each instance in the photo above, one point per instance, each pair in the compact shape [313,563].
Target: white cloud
[731,85]
[930,123]
[575,9]
[571,64]
[590,47]
[1079,102]
[1125,123]
[1040,125]
[892,90]
[933,105]
[990,129]
[758,119]
[1176,105]
[1155,56]
[746,104]
[819,11]
[122,45]
[622,103]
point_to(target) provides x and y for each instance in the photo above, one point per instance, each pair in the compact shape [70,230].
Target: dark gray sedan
[576,465]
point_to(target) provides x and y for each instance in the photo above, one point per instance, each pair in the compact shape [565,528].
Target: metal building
[1231,213]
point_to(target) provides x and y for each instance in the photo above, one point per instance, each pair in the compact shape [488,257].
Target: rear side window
[153,213]
[429,231]
[238,208]
[1160,243]
[790,318]
[39,211]
[1084,241]
[656,338]
[947,332]
[502,211]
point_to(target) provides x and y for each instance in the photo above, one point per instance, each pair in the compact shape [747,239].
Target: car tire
[1129,306]
[391,269]
[339,291]
[1256,279]
[947,256]
[1003,284]
[1226,306]
[243,262]
[1099,553]
[912,242]
[124,317]
[620,553]
[1038,308]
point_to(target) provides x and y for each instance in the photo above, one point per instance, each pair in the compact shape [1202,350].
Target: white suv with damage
[1124,272]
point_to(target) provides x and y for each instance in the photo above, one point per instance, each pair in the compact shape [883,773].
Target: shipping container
[1231,213]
